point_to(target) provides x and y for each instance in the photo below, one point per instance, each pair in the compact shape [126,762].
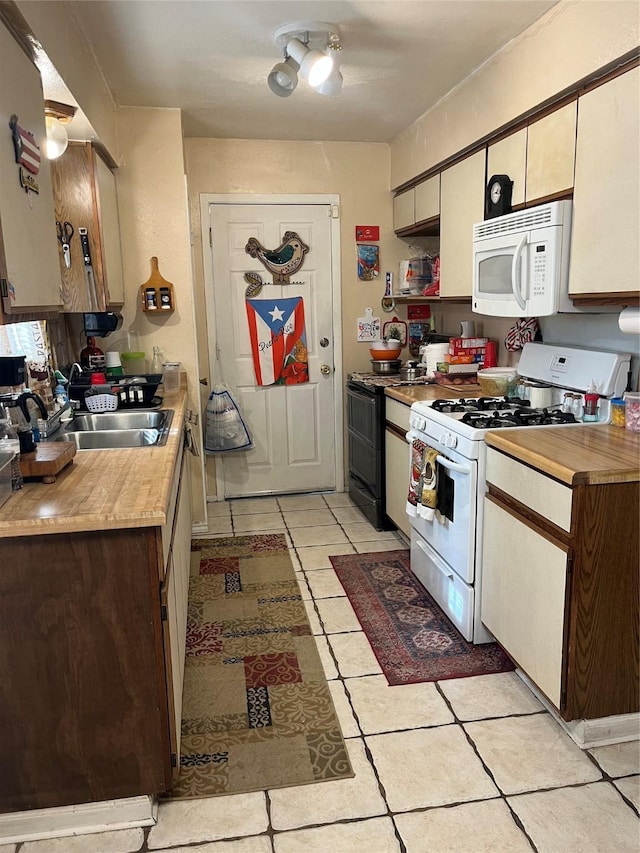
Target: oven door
[452,532]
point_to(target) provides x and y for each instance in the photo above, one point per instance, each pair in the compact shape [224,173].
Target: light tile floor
[471,765]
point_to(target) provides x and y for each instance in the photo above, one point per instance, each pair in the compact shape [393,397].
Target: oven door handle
[453,466]
[424,548]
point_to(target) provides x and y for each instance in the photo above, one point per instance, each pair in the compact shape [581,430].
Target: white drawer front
[397,413]
[540,493]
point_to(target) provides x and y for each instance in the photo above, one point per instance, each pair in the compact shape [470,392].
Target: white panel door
[292,426]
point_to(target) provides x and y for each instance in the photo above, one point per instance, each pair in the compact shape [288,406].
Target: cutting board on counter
[47,460]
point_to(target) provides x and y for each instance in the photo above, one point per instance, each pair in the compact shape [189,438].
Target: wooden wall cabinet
[551,154]
[85,195]
[427,199]
[461,207]
[397,463]
[29,281]
[404,214]
[92,641]
[560,585]
[606,200]
[508,156]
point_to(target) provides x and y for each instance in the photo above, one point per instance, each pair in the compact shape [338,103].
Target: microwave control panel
[540,259]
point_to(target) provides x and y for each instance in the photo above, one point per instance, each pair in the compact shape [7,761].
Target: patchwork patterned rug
[257,711]
[410,635]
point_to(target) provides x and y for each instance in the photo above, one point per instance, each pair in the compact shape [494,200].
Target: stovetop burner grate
[479,404]
[517,418]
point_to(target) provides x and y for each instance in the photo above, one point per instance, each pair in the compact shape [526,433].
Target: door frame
[332,202]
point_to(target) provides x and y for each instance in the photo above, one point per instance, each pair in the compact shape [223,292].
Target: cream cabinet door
[606,198]
[509,157]
[397,480]
[30,273]
[427,199]
[461,207]
[551,153]
[404,210]
[524,578]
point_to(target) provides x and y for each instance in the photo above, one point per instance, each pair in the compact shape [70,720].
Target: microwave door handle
[515,277]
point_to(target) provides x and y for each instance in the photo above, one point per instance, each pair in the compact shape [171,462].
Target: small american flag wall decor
[27,154]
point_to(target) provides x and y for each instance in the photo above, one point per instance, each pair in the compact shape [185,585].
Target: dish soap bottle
[156,361]
[591,403]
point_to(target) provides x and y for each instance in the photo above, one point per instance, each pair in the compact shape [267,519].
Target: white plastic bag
[226,429]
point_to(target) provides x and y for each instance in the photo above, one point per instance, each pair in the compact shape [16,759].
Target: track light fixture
[56,115]
[309,48]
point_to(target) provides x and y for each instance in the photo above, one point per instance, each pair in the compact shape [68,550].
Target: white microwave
[521,262]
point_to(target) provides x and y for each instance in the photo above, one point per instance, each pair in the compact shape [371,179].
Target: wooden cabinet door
[523,596]
[28,253]
[551,154]
[606,198]
[508,156]
[427,199]
[81,189]
[404,210]
[461,207]
[109,233]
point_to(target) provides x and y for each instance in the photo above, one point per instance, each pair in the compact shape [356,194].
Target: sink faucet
[74,367]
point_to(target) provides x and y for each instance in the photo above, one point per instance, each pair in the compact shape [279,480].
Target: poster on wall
[278,340]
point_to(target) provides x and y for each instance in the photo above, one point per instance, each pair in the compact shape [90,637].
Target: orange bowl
[385,354]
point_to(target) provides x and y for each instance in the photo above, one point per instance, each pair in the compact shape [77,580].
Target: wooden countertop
[101,489]
[409,394]
[575,455]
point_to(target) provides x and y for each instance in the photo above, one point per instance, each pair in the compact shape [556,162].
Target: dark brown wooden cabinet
[92,646]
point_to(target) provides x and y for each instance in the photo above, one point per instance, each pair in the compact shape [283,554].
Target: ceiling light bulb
[283,78]
[314,65]
[57,139]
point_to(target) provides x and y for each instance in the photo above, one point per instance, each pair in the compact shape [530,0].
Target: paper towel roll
[629,321]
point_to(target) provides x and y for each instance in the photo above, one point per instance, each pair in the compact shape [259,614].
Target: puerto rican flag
[276,332]
[26,148]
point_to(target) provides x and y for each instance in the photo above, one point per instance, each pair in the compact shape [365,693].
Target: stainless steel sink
[113,430]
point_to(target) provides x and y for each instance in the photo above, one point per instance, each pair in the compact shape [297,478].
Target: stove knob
[449,440]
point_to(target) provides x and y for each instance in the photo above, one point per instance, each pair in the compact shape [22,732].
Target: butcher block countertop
[101,489]
[409,394]
[575,455]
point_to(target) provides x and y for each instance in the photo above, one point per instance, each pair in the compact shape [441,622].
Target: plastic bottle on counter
[10,443]
[591,403]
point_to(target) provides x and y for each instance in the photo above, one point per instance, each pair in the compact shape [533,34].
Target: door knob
[325,370]
[324,342]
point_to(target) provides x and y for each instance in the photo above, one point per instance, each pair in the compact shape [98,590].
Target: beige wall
[568,43]
[154,221]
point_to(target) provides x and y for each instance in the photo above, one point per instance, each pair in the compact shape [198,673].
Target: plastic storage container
[171,377]
[632,411]
[133,363]
[497,381]
[618,412]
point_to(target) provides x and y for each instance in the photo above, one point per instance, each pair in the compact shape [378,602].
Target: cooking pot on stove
[412,370]
[386,367]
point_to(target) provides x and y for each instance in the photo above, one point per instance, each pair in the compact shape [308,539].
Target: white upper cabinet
[28,247]
[551,152]
[427,199]
[404,210]
[606,198]
[509,157]
[461,207]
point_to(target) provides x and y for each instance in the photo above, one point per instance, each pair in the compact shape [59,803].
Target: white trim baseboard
[587,734]
[82,819]
[199,527]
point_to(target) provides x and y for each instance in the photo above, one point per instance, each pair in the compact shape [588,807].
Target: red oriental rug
[410,635]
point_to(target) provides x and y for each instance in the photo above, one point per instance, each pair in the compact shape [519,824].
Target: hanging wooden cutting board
[47,460]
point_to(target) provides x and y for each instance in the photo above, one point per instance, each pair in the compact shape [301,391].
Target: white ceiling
[211,59]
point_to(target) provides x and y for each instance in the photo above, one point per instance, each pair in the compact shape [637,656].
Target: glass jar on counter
[632,411]
[618,412]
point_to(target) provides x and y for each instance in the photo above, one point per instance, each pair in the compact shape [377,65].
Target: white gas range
[446,547]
